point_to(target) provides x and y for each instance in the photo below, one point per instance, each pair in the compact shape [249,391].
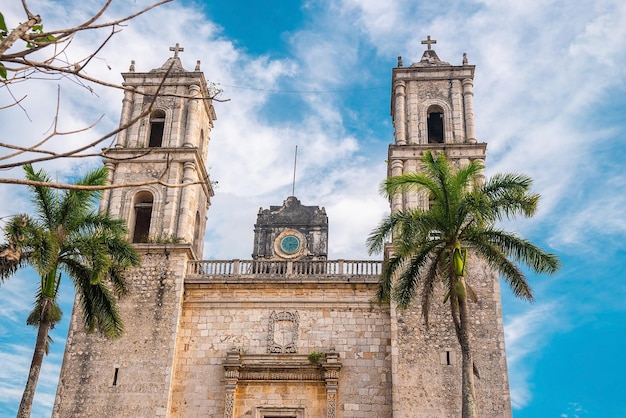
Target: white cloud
[542,67]
[525,335]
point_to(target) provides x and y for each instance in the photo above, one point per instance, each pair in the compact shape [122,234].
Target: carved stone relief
[282,336]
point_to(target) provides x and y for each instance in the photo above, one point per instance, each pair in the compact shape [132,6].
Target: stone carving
[231,374]
[283,375]
[282,337]
[331,374]
[331,404]
[162,102]
[229,405]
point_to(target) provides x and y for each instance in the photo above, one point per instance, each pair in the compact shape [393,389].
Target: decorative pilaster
[411,197]
[134,137]
[331,375]
[185,216]
[125,118]
[191,137]
[468,98]
[104,201]
[232,364]
[396,200]
[400,113]
[480,177]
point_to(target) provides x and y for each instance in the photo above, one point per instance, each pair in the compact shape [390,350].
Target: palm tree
[430,245]
[67,237]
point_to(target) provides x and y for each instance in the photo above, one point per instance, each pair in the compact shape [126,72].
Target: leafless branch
[76,152]
[65,186]
[22,65]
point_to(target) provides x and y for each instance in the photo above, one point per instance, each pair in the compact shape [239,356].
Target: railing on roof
[326,269]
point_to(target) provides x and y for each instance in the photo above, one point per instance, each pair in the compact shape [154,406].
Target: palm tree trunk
[469,408]
[26,405]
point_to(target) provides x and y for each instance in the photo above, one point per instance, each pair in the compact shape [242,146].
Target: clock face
[290,244]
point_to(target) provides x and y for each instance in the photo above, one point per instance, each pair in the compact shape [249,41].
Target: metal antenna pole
[295,160]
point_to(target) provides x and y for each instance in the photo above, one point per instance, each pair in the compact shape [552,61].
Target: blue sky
[550,101]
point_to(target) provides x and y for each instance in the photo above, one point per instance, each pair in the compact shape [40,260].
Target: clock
[290,244]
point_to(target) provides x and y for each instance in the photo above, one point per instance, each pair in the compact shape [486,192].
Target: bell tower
[159,164]
[170,114]
[432,108]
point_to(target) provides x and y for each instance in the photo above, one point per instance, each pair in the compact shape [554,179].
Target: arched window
[143,216]
[435,125]
[157,125]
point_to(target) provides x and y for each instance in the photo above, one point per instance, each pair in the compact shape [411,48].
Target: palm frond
[99,309]
[510,272]
[520,250]
[44,197]
[385,283]
[406,182]
[409,279]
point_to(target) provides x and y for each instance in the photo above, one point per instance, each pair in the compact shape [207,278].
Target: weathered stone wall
[221,317]
[425,385]
[129,376]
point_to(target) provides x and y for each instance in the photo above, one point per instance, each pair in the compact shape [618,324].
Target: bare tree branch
[65,186]
[19,63]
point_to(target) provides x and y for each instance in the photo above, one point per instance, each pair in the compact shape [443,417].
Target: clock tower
[291,231]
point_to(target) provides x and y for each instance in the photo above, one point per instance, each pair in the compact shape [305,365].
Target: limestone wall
[221,317]
[130,376]
[427,362]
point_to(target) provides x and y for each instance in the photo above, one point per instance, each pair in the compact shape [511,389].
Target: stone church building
[288,333]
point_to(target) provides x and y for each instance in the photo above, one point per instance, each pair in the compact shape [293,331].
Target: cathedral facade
[288,333]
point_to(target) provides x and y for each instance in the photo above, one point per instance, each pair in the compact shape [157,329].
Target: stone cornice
[283,367]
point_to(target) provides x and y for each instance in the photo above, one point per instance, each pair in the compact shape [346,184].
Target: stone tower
[291,231]
[169,143]
[171,116]
[432,108]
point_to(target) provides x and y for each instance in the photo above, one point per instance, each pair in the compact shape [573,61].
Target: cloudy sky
[550,101]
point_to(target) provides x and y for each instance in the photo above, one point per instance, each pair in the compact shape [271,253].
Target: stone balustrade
[302,270]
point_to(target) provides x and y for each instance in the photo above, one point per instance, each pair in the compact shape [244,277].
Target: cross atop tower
[428,42]
[179,48]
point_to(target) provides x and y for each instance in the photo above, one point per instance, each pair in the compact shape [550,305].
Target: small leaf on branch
[3,26]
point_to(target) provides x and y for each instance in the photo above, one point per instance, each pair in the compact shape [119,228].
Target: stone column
[192,119]
[468,99]
[411,197]
[106,194]
[400,112]
[480,177]
[457,133]
[133,133]
[416,115]
[125,118]
[184,217]
[396,199]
